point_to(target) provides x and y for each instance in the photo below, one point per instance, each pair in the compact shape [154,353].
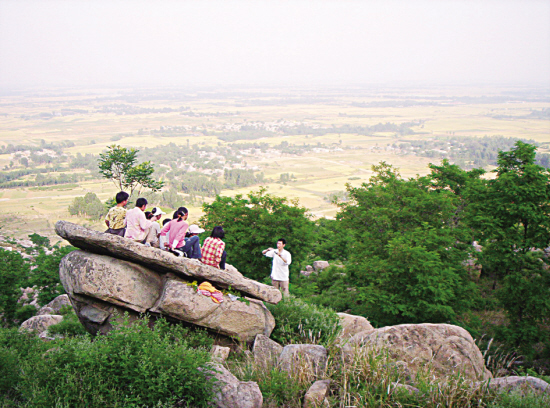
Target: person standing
[279,270]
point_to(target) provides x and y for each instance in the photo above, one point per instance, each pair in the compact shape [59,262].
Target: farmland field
[307,143]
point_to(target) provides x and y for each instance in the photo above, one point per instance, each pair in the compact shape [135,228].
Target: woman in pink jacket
[177,229]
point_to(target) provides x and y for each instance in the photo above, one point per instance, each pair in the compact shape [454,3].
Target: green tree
[406,254]
[90,205]
[511,214]
[13,273]
[256,222]
[119,165]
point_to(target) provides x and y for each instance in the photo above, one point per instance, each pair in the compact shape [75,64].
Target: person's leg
[197,248]
[283,285]
[222,262]
[275,283]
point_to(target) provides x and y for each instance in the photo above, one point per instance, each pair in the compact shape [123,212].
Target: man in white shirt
[279,270]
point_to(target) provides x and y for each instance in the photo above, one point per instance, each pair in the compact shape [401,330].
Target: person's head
[141,203]
[180,216]
[217,232]
[166,221]
[121,197]
[148,215]
[157,213]
[281,243]
[183,210]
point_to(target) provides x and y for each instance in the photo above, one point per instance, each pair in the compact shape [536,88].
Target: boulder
[38,324]
[111,280]
[320,265]
[447,348]
[229,392]
[316,395]
[266,351]
[514,383]
[59,302]
[240,319]
[311,357]
[219,353]
[162,261]
[103,288]
[405,388]
[45,310]
[352,324]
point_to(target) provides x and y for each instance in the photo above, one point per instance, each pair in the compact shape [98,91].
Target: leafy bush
[132,366]
[25,312]
[13,271]
[299,322]
[69,326]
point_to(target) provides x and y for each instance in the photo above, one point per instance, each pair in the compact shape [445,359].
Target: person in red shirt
[213,249]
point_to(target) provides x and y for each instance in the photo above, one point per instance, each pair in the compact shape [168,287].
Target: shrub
[25,312]
[299,322]
[69,326]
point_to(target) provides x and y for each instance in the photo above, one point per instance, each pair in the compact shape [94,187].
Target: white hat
[195,229]
[157,211]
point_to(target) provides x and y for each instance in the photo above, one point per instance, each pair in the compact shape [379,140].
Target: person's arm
[180,235]
[165,229]
[269,252]
[144,223]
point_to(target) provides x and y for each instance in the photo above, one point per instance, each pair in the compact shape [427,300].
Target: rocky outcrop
[352,324]
[320,265]
[316,395]
[229,392]
[309,358]
[448,349]
[517,383]
[38,324]
[266,351]
[102,288]
[56,305]
[162,262]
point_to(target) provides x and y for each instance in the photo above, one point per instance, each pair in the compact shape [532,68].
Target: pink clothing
[136,224]
[177,232]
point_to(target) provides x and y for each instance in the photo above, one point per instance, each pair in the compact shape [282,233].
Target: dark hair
[282,240]
[140,202]
[179,214]
[182,209]
[217,232]
[148,215]
[166,221]
[121,196]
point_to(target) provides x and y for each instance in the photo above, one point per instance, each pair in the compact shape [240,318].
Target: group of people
[176,235]
[179,238]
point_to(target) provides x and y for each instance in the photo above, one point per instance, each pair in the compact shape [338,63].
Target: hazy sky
[255,42]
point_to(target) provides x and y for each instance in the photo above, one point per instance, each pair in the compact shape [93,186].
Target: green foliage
[46,274]
[256,222]
[90,205]
[332,241]
[118,164]
[25,312]
[520,400]
[13,272]
[69,326]
[299,322]
[511,217]
[39,240]
[407,251]
[132,366]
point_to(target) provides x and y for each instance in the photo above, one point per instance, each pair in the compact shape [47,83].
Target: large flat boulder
[162,261]
[448,349]
[241,319]
[102,288]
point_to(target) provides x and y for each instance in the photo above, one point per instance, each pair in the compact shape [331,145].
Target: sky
[95,43]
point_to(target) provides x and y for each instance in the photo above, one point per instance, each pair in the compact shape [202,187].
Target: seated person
[177,229]
[192,248]
[137,226]
[164,238]
[116,217]
[213,249]
[154,232]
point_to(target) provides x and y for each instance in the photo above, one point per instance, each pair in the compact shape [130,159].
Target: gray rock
[316,395]
[266,351]
[45,310]
[243,320]
[219,353]
[38,324]
[405,388]
[229,392]
[514,383]
[310,357]
[445,347]
[162,261]
[352,324]
[59,302]
[320,265]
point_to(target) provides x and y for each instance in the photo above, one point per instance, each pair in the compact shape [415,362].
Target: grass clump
[298,322]
[132,366]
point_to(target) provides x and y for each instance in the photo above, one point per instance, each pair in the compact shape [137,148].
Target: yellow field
[27,210]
